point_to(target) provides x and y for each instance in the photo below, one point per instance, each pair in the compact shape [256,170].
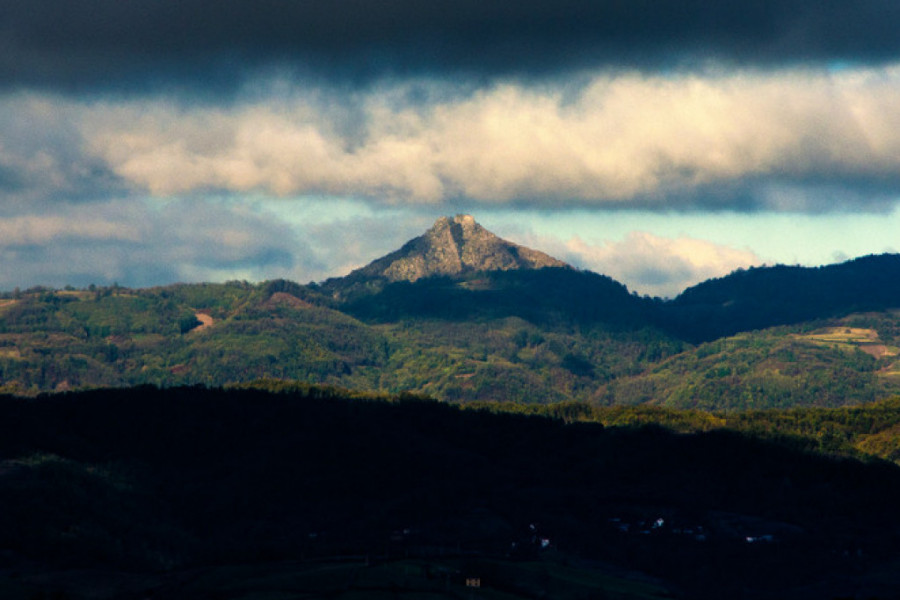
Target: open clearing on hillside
[844,335]
[866,340]
[206,321]
[79,294]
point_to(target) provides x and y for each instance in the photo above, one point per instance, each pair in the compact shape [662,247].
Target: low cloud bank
[792,140]
[137,245]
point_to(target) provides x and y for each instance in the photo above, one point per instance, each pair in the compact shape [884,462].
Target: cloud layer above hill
[795,140]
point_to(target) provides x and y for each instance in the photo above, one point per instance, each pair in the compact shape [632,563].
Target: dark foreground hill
[197,493]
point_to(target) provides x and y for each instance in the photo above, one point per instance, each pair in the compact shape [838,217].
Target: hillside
[190,492]
[834,362]
[112,337]
[530,330]
[763,297]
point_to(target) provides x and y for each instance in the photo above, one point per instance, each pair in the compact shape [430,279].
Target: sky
[661,143]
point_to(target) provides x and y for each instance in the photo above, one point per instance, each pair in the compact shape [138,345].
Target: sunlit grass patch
[844,335]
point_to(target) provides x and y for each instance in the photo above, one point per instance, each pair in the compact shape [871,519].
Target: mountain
[459,271]
[452,247]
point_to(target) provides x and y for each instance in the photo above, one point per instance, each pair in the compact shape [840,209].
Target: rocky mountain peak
[452,246]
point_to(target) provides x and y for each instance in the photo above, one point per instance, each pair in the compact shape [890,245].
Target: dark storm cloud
[77,44]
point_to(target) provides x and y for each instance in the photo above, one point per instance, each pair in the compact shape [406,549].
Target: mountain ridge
[762,297]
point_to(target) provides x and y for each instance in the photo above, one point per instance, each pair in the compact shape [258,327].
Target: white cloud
[655,265]
[787,141]
[42,154]
[624,138]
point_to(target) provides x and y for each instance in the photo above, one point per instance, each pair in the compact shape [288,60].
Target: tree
[188,322]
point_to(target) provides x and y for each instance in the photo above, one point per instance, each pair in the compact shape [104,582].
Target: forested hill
[763,297]
[431,319]
[549,296]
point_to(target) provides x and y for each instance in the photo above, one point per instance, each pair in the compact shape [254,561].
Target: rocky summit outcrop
[453,246]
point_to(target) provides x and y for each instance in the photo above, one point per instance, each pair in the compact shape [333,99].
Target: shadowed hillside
[763,297]
[170,484]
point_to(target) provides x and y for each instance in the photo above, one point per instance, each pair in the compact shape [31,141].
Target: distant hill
[462,315]
[834,362]
[763,297]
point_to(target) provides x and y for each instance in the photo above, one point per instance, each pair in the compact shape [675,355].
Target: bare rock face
[453,247]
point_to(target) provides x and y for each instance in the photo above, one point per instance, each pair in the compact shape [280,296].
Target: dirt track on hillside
[205,321]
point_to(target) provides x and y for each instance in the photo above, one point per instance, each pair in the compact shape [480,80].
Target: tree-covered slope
[497,347]
[434,318]
[203,333]
[530,336]
[152,492]
[826,363]
[763,297]
[552,296]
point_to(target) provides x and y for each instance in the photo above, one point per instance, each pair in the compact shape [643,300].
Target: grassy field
[866,340]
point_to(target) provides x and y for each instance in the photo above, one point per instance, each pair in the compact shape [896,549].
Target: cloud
[350,243]
[658,266]
[41,229]
[198,44]
[139,244]
[146,242]
[41,154]
[792,140]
